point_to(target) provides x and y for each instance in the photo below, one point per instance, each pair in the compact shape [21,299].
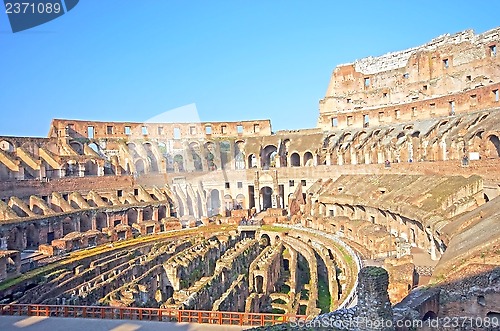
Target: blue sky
[236,60]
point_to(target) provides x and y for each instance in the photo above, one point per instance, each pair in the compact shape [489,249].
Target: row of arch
[30,236]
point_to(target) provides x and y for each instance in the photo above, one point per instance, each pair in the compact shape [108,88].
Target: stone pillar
[222,208]
[20,173]
[100,170]
[434,256]
[3,244]
[155,214]
[81,170]
[374,308]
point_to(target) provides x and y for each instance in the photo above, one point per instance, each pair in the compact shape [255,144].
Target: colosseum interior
[401,172]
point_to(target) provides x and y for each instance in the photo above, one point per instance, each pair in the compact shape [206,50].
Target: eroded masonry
[402,171]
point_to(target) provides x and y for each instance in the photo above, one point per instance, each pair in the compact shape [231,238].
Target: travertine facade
[451,74]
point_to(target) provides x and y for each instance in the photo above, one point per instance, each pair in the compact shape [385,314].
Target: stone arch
[140,167]
[32,236]
[178,163]
[101,221]
[228,204]
[266,194]
[15,239]
[147,213]
[295,160]
[162,212]
[308,159]
[85,223]
[252,161]
[210,156]
[430,315]
[71,168]
[77,147]
[259,284]
[214,203]
[493,314]
[91,168]
[68,226]
[267,156]
[194,148]
[132,216]
[493,146]
[225,153]
[265,240]
[240,201]
[239,155]
[153,161]
[286,264]
[7,146]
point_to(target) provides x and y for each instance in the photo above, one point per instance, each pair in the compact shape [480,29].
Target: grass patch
[324,297]
[274,228]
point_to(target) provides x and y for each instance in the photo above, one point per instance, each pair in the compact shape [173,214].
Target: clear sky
[123,60]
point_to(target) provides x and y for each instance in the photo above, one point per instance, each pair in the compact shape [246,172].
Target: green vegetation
[324,297]
[274,228]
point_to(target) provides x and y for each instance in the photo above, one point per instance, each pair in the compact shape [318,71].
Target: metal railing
[148,314]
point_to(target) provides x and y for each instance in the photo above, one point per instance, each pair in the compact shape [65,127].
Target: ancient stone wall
[407,85]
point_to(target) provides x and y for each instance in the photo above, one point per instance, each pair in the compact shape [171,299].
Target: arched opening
[265,240]
[268,157]
[240,202]
[71,168]
[214,203]
[37,210]
[132,149]
[194,148]
[7,146]
[85,223]
[147,214]
[493,145]
[91,168]
[169,292]
[139,167]
[162,212]
[295,160]
[259,284]
[15,240]
[151,157]
[486,198]
[101,221]
[178,163]
[228,203]
[252,161]
[210,156]
[493,314]
[19,211]
[225,154]
[77,147]
[239,155]
[308,159]
[430,315]
[266,194]
[131,217]
[68,226]
[286,264]
[32,237]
